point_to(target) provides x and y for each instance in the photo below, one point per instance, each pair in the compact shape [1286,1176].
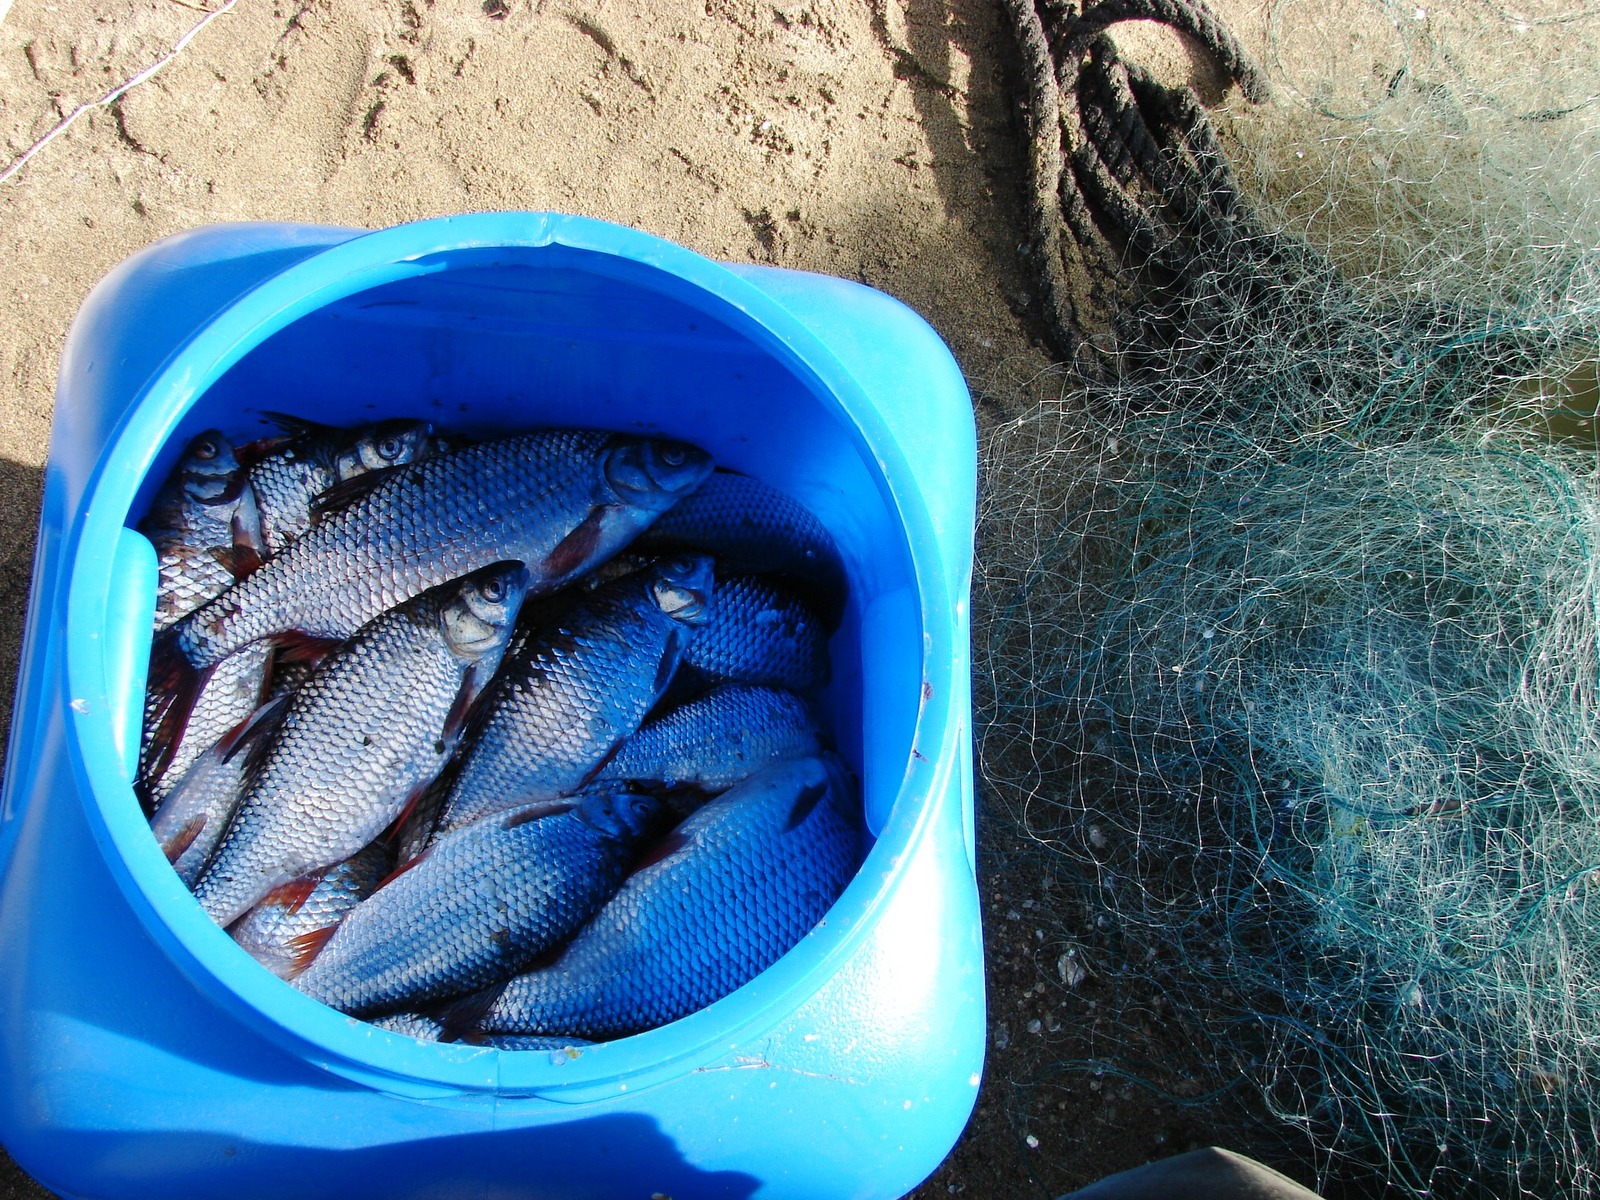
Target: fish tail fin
[459,1020]
[174,685]
[304,947]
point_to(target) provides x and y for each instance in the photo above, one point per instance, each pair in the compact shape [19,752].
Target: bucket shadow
[21,487]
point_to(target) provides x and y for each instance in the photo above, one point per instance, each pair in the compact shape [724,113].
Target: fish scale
[363,733]
[482,904]
[517,499]
[287,483]
[570,692]
[745,878]
[758,633]
[718,740]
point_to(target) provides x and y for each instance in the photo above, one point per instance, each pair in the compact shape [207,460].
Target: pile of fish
[514,741]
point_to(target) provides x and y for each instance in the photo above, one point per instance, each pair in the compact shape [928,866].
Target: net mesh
[1289,590]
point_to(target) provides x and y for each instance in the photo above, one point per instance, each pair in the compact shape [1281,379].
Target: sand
[875,141]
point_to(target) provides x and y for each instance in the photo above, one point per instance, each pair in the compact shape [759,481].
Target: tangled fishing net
[1290,597]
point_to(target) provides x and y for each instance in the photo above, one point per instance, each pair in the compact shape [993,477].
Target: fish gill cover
[1289,590]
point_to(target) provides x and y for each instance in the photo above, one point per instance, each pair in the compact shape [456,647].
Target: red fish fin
[460,709]
[304,947]
[594,771]
[240,559]
[178,685]
[247,539]
[578,548]
[668,666]
[251,453]
[294,894]
[413,799]
[175,845]
[459,718]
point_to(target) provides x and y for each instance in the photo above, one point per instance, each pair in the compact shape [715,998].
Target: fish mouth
[476,620]
[683,590]
[655,474]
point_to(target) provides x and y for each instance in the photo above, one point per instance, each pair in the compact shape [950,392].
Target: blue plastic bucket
[146,1055]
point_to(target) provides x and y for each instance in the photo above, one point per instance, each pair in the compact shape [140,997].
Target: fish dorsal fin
[347,491]
[536,812]
[253,737]
[297,427]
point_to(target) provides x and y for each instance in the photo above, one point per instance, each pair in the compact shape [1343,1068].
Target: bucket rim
[202,951]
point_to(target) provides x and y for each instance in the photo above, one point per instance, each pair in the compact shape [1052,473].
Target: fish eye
[493,590]
[206,450]
[389,448]
[673,456]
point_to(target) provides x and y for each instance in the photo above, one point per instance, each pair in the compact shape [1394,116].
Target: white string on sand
[115,93]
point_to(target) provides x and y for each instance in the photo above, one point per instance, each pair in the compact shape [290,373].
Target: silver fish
[718,740]
[201,512]
[558,501]
[733,889]
[194,815]
[372,726]
[572,690]
[482,904]
[288,482]
[285,930]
